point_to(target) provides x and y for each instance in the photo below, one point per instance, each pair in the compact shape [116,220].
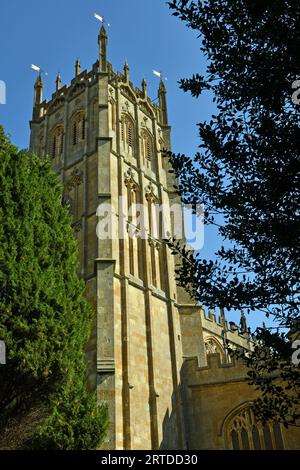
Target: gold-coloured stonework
[154,356]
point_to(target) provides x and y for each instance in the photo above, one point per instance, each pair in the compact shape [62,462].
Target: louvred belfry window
[127,134]
[78,128]
[56,142]
[148,149]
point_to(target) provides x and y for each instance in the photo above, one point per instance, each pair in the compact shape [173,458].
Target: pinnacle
[103,32]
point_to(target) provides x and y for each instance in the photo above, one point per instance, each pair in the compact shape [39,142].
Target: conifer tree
[45,320]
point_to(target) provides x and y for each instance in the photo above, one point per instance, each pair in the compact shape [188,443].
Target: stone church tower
[149,341]
[104,137]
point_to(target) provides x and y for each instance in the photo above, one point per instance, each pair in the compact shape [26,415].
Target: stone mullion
[261,436]
[249,430]
[239,434]
[272,436]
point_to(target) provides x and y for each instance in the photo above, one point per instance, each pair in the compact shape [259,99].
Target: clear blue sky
[54,33]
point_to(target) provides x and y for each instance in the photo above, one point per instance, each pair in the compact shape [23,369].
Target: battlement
[218,325]
[204,334]
[86,79]
[215,372]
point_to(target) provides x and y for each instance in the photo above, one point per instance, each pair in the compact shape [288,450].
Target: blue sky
[143,32]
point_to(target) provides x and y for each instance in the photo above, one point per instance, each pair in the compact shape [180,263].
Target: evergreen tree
[247,176]
[44,319]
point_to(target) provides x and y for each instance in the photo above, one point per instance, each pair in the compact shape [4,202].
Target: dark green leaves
[44,319]
[247,172]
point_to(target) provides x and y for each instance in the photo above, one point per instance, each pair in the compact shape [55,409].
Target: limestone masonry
[154,355]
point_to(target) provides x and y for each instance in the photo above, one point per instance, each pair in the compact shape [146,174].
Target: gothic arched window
[242,432]
[57,141]
[157,270]
[148,149]
[134,245]
[78,128]
[212,346]
[130,134]
[127,133]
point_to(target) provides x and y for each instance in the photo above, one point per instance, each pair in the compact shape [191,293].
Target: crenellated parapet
[87,79]
[218,326]
[207,333]
[216,371]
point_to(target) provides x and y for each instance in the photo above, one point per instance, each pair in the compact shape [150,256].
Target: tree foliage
[246,174]
[44,319]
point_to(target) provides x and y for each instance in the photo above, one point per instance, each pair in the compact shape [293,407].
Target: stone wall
[213,396]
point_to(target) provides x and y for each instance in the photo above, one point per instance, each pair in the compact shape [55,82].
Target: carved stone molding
[129,179]
[125,107]
[150,194]
[106,365]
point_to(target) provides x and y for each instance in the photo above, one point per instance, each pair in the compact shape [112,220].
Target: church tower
[104,137]
[155,357]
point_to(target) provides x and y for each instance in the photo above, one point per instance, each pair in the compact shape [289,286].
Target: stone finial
[144,88]
[109,70]
[212,316]
[77,67]
[126,71]
[58,82]
[102,41]
[163,103]
[39,81]
[38,90]
[38,97]
[162,87]
[102,32]
[243,323]
[222,317]
[233,326]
